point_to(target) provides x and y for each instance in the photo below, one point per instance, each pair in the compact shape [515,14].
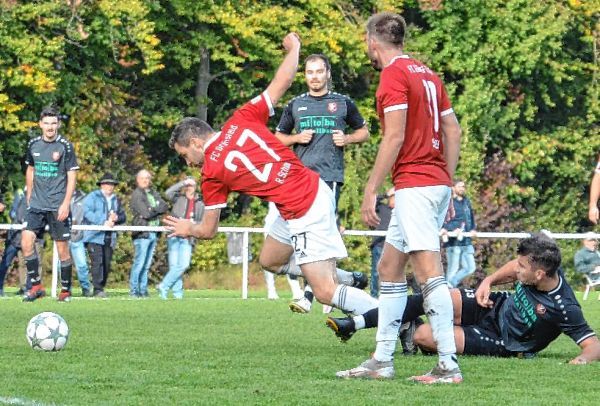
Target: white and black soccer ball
[47,332]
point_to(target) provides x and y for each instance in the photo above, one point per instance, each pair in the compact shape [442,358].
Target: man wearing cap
[587,259]
[102,207]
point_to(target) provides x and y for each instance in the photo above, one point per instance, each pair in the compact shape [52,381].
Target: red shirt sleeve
[393,93]
[214,194]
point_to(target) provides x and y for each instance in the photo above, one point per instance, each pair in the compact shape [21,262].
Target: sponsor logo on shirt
[332,107]
[540,309]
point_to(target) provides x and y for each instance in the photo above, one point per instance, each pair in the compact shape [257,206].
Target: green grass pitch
[214,348]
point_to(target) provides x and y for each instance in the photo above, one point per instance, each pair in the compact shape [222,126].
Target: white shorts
[419,214]
[314,236]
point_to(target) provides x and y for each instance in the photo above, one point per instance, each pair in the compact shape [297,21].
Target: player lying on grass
[246,157]
[507,324]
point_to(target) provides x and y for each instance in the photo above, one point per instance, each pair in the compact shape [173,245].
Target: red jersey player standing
[246,157]
[420,146]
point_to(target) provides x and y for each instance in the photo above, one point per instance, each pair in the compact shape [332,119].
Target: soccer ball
[47,332]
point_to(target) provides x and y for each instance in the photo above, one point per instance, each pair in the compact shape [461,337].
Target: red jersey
[246,157]
[407,84]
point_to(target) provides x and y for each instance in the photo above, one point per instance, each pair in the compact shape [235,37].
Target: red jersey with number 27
[246,157]
[407,84]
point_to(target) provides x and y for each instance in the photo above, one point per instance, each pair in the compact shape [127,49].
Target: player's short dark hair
[322,57]
[542,252]
[188,128]
[387,27]
[457,181]
[49,111]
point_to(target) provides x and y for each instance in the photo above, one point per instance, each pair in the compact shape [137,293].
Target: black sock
[65,275]
[371,318]
[414,308]
[32,263]
[309,295]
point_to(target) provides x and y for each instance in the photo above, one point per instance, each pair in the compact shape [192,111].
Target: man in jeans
[186,205]
[460,252]
[146,206]
[77,244]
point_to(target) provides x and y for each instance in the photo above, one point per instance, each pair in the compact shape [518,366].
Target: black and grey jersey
[323,114]
[51,162]
[530,319]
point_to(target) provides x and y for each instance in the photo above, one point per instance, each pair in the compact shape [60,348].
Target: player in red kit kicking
[246,157]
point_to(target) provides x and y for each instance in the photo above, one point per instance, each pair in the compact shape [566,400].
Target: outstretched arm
[593,213]
[284,77]
[590,351]
[205,230]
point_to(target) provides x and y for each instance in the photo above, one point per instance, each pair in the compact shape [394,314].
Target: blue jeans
[375,256]
[142,260]
[180,256]
[79,256]
[10,252]
[461,263]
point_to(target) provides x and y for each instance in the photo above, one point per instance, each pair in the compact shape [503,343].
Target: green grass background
[214,348]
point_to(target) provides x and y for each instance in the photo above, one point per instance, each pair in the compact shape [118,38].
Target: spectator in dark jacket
[187,205]
[102,207]
[587,259]
[460,252]
[146,206]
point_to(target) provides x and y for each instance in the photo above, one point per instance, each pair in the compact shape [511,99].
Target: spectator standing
[460,252]
[384,208]
[50,179]
[587,259]
[146,206]
[594,214]
[319,119]
[102,207]
[6,244]
[187,204]
[77,244]
[12,246]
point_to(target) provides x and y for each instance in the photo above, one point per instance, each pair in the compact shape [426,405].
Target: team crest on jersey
[332,107]
[540,309]
[55,155]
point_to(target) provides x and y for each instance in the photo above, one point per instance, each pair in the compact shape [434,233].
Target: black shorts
[36,221]
[480,325]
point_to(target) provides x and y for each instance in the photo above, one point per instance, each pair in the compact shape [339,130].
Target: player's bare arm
[205,230]
[29,183]
[594,214]
[451,132]
[392,140]
[590,351]
[506,274]
[340,139]
[64,208]
[284,77]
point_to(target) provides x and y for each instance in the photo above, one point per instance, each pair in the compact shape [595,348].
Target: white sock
[359,322]
[352,300]
[290,268]
[344,277]
[295,287]
[438,307]
[392,302]
[270,280]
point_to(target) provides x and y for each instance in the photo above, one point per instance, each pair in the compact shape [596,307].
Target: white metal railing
[259,230]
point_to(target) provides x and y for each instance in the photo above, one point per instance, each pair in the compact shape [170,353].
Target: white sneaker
[301,305]
[370,369]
